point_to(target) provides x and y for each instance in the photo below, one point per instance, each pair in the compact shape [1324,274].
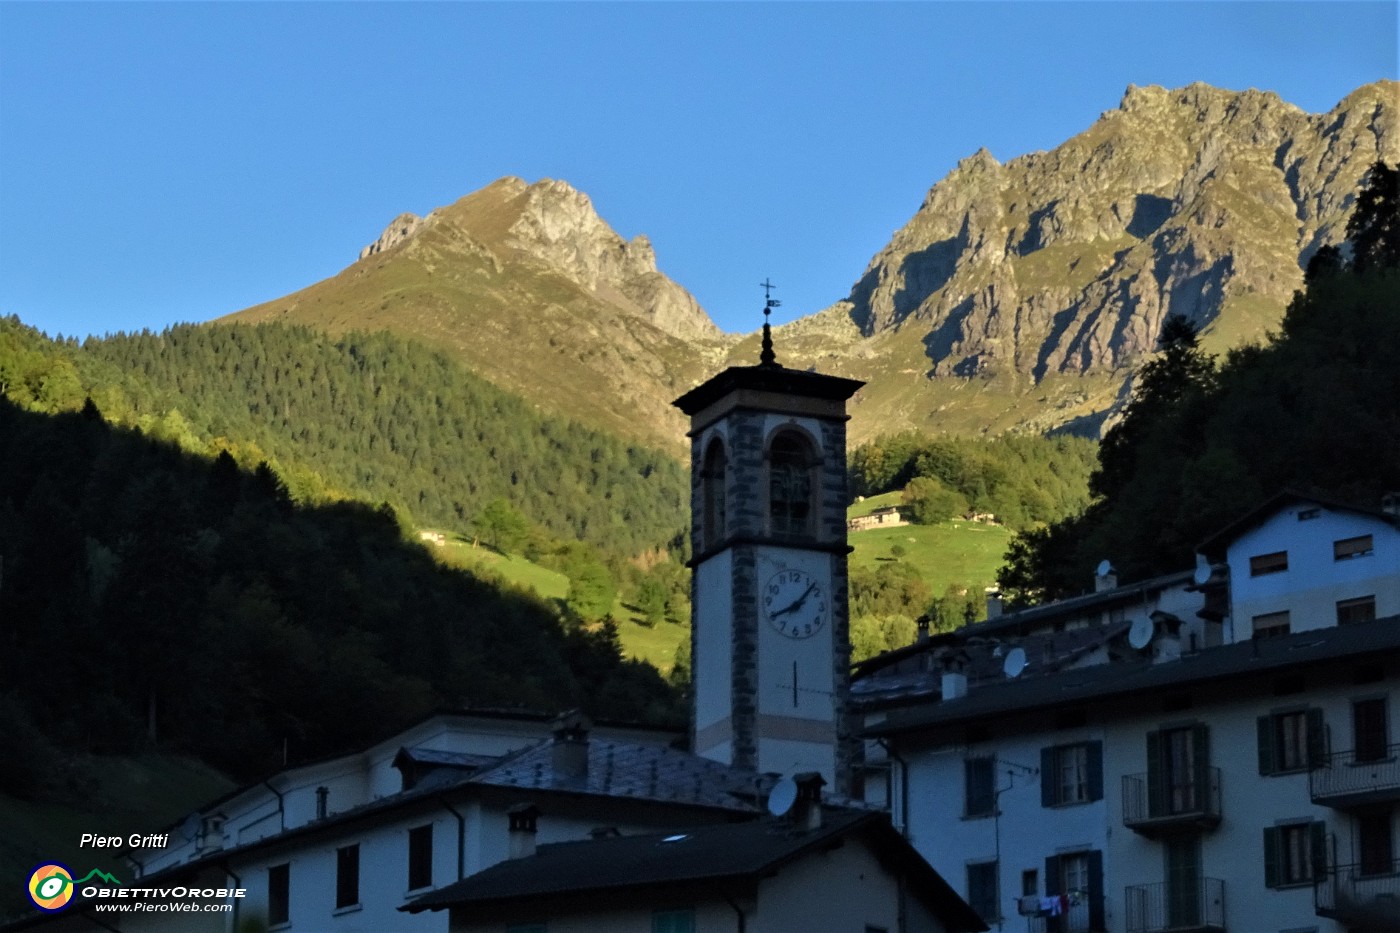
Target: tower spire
[766,357]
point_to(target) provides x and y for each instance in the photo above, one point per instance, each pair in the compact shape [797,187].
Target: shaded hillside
[151,597]
[528,286]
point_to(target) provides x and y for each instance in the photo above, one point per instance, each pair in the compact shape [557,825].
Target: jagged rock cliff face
[555,225]
[1199,201]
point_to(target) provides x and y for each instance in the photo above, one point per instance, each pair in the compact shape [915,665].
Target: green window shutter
[1048,778]
[1318,849]
[1094,760]
[1156,775]
[1317,746]
[1271,856]
[1266,745]
[1096,913]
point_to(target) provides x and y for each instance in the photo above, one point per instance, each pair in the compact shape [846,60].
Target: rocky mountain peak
[402,228]
[1195,201]
[557,225]
[553,224]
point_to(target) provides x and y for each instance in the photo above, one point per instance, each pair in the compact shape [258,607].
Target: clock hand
[796,603]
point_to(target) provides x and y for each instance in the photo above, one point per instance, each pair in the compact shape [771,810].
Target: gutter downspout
[743,921]
[237,883]
[461,837]
[281,813]
[903,786]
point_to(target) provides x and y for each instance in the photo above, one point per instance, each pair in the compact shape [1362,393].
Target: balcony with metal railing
[1195,906]
[1156,807]
[1356,778]
[1361,897]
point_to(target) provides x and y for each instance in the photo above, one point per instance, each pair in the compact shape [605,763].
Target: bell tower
[770,640]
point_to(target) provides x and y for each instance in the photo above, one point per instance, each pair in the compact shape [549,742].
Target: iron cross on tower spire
[766,356]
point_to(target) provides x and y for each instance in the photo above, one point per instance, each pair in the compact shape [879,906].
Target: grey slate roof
[739,853]
[421,755]
[917,674]
[1126,678]
[642,772]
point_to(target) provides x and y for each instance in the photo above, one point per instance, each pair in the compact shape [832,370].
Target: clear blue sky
[174,162]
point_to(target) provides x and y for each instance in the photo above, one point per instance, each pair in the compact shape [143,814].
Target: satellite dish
[1014,664]
[1105,568]
[1140,635]
[1203,570]
[782,797]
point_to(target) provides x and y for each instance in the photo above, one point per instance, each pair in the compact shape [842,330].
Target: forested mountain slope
[372,417]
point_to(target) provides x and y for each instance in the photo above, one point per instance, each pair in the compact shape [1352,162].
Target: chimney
[1390,504]
[993,605]
[807,812]
[523,821]
[922,624]
[954,677]
[1105,577]
[570,749]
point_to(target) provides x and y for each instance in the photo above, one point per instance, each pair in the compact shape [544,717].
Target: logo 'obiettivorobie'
[51,885]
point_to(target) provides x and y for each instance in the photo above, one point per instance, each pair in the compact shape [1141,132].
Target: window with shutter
[979,795]
[1291,741]
[1370,732]
[347,876]
[1071,774]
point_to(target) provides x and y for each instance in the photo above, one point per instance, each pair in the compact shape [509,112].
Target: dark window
[1361,609]
[279,890]
[526,928]
[347,876]
[713,480]
[1294,854]
[1309,514]
[1375,842]
[420,857]
[1291,741]
[790,485]
[979,775]
[1071,773]
[1271,625]
[673,921]
[1369,729]
[1178,763]
[982,890]
[1347,548]
[1276,562]
[1030,883]
[322,802]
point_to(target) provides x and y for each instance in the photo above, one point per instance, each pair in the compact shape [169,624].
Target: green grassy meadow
[955,552]
[656,645]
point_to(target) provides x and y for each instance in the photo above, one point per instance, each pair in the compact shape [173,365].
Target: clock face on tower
[795,603]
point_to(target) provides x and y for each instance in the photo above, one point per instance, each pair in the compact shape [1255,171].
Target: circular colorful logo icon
[51,886]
